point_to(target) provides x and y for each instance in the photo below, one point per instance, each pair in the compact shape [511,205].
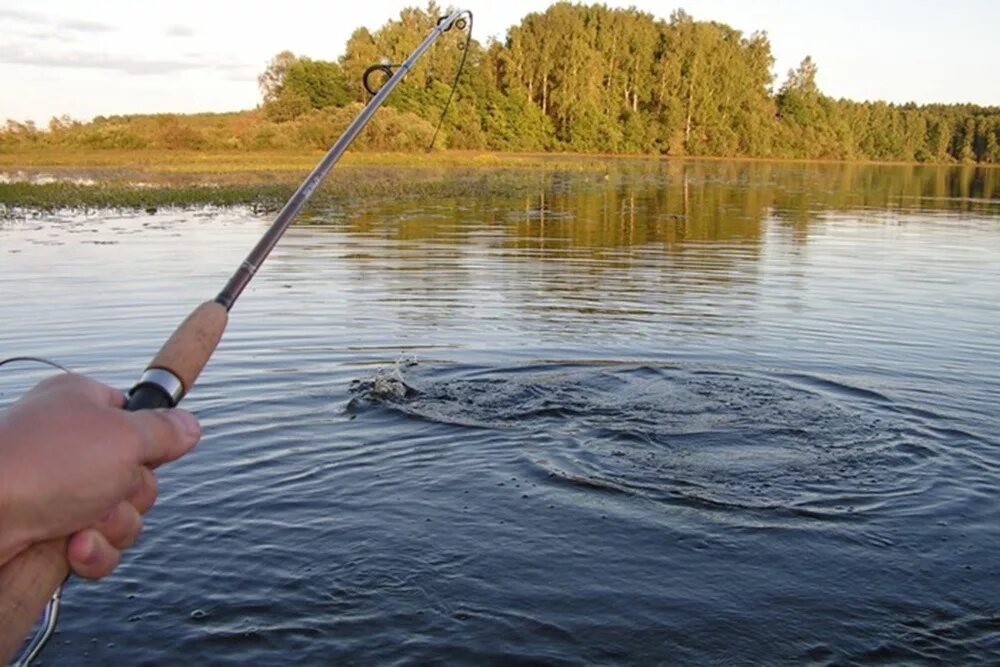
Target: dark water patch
[938,635]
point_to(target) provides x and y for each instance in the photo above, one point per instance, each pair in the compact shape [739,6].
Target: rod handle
[183,356]
[26,583]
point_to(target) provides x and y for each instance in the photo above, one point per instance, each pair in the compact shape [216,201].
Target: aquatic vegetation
[41,191]
[61,195]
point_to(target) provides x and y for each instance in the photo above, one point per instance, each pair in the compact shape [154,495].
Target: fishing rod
[32,582]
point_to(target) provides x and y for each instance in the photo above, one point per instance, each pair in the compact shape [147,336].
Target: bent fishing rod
[32,582]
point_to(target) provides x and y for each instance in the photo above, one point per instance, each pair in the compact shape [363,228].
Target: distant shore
[221,162]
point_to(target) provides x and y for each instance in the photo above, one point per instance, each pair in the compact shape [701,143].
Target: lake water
[677,413]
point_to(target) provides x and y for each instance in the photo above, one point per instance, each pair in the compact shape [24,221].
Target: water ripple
[721,439]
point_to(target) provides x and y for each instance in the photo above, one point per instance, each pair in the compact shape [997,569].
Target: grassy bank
[199,162]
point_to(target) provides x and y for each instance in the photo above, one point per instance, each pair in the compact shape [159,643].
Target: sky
[108,57]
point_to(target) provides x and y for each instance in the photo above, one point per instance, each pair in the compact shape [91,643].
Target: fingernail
[187,422]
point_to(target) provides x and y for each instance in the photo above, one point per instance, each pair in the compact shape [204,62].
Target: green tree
[321,82]
[963,142]
[798,99]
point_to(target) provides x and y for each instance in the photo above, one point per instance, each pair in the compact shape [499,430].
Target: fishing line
[37,360]
[387,69]
[460,24]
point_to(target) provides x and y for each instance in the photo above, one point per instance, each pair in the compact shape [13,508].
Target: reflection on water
[641,202]
[696,413]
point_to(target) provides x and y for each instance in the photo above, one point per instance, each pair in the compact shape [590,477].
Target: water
[709,413]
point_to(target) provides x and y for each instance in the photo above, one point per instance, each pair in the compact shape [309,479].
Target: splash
[386,385]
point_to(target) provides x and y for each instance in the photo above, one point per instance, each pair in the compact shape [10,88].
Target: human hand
[94,552]
[74,464]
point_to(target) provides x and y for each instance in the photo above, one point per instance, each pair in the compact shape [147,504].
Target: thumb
[164,435]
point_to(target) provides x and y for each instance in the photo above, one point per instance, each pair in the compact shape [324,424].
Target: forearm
[13,541]
[13,536]
[27,582]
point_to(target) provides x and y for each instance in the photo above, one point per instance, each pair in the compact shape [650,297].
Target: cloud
[42,34]
[23,16]
[179,31]
[65,23]
[83,25]
[15,54]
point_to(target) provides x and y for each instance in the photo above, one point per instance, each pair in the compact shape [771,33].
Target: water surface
[711,413]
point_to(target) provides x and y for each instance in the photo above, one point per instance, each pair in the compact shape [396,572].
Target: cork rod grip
[26,583]
[187,350]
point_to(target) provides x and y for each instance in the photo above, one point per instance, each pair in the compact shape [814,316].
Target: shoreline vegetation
[572,80]
[191,161]
[217,162]
[41,181]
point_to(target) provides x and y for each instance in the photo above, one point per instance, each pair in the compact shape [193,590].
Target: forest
[574,78]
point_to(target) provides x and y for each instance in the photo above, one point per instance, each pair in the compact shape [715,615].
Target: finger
[121,526]
[90,555]
[143,494]
[100,394]
[165,435]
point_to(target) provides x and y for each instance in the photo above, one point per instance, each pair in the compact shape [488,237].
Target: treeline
[389,130]
[572,78]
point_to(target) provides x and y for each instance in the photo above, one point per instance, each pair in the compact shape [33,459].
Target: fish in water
[384,386]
